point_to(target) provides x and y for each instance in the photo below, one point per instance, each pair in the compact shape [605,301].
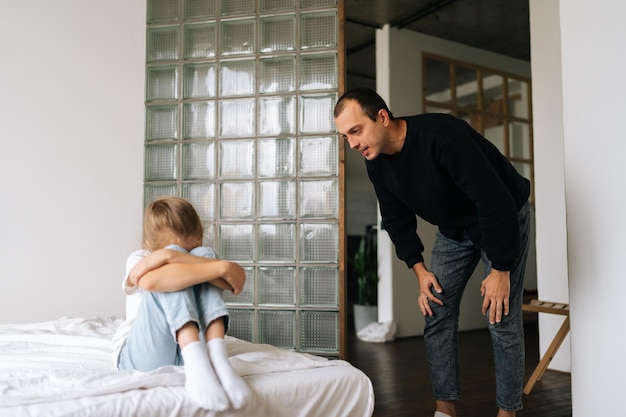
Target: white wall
[398,81]
[72,82]
[552,278]
[592,39]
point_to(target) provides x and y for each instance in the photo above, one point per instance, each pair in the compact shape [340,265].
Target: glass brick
[246,296]
[318,30]
[200,40]
[236,159]
[237,200]
[199,120]
[277,5]
[319,287]
[277,242]
[152,192]
[198,161]
[241,324]
[277,74]
[276,158]
[277,200]
[209,235]
[277,328]
[277,285]
[160,11]
[262,168]
[317,3]
[316,113]
[318,156]
[278,33]
[196,9]
[203,198]
[235,7]
[318,72]
[237,36]
[237,118]
[161,83]
[319,199]
[162,44]
[319,242]
[237,78]
[160,162]
[236,242]
[277,116]
[319,331]
[161,123]
[199,81]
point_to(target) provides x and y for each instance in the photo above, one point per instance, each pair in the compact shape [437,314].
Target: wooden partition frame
[510,110]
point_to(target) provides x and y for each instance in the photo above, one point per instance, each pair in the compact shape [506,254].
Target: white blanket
[71,358]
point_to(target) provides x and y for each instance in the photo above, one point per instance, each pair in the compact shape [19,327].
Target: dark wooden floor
[402,388]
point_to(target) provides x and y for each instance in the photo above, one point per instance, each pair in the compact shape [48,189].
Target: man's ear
[383,116]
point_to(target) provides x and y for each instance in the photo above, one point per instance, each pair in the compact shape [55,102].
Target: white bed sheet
[64,368]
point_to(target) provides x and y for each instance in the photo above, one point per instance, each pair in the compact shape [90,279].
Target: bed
[64,368]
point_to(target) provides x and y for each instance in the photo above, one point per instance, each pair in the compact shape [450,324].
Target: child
[174,300]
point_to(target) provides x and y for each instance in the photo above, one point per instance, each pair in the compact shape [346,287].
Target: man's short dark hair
[367,98]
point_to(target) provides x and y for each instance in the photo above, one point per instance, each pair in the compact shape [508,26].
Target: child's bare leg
[235,387]
[187,334]
[215,330]
[201,381]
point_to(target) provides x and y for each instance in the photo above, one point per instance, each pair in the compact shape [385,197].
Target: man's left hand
[495,290]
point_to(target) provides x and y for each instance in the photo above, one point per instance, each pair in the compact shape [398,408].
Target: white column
[552,279]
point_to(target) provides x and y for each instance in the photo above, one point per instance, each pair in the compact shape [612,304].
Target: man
[436,166]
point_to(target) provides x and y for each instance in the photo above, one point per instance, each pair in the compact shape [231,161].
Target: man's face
[362,133]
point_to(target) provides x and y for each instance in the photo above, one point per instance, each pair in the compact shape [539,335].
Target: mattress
[65,368]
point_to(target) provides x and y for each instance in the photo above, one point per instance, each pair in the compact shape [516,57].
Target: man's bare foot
[502,413]
[448,407]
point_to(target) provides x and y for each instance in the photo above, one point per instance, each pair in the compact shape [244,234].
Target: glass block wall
[239,100]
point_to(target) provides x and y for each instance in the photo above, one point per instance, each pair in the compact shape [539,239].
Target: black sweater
[454,178]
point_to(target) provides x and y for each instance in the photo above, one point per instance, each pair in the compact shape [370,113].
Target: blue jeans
[152,341]
[453,263]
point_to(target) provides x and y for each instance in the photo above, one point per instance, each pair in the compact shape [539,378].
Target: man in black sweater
[438,167]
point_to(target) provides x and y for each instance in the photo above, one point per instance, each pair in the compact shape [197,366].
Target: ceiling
[500,26]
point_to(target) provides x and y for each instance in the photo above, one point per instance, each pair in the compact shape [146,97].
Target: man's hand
[496,289]
[426,281]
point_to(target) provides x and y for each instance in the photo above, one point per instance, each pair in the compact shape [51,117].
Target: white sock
[234,385]
[200,380]
[440,414]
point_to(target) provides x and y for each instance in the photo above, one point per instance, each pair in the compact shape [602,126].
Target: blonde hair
[169,214]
